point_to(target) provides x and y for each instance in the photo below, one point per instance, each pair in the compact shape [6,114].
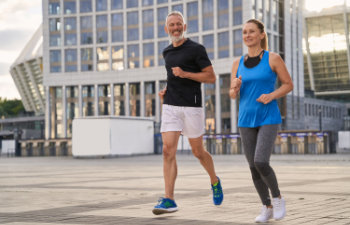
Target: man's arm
[207,74]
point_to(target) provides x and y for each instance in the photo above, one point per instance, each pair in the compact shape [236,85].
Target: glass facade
[150,99]
[72,107]
[56,108]
[134,102]
[104,98]
[328,48]
[88,93]
[119,38]
[119,99]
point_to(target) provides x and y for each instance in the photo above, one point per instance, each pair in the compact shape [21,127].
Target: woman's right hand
[235,86]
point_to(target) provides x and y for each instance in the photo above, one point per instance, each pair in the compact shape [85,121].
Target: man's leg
[170,140]
[204,157]
[207,162]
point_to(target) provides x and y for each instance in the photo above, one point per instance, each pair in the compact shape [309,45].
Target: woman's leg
[249,138]
[264,146]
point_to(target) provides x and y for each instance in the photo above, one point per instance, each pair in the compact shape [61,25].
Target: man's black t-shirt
[190,57]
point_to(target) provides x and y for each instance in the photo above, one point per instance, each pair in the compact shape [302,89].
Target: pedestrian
[187,65]
[253,79]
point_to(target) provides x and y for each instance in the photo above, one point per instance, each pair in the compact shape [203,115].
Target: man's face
[175,28]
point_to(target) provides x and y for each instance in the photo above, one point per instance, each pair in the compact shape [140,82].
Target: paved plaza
[66,190]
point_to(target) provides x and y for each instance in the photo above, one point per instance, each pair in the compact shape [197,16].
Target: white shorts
[188,120]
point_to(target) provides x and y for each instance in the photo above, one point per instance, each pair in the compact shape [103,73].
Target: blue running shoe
[218,195]
[165,205]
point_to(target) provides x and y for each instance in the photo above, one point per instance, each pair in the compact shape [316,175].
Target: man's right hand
[161,93]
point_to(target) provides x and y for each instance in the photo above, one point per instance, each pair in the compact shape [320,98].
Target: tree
[11,108]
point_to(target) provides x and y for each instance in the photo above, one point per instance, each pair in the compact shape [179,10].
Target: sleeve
[202,58]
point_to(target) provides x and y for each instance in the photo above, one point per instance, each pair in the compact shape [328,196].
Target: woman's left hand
[265,98]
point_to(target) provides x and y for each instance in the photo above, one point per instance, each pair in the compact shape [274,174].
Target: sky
[19,19]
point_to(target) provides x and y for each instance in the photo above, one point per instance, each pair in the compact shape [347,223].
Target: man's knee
[264,168]
[198,152]
[168,151]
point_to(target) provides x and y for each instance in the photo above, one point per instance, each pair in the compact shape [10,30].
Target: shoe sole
[162,211]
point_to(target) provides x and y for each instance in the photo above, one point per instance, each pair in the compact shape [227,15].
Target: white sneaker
[279,208]
[265,215]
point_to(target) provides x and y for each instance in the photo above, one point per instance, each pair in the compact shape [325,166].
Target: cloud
[11,38]
[8,88]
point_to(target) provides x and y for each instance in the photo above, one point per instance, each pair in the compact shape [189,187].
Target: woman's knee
[264,168]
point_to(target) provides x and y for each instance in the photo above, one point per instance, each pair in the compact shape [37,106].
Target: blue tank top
[255,82]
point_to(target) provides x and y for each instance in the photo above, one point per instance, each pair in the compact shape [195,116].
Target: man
[187,66]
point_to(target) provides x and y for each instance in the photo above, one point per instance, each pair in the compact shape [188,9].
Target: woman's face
[252,35]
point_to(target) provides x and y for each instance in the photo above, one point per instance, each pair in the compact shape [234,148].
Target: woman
[253,78]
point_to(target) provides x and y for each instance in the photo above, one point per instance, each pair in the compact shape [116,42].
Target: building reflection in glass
[134,102]
[102,58]
[209,90]
[56,108]
[104,97]
[225,103]
[119,99]
[72,107]
[150,99]
[88,100]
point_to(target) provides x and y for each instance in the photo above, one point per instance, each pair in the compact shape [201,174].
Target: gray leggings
[258,143]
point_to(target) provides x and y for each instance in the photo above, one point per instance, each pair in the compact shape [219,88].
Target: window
[55,32]
[237,12]
[88,93]
[133,27]
[85,6]
[102,54]
[116,4]
[132,3]
[69,6]
[147,20]
[70,31]
[225,103]
[161,17]
[104,93]
[54,8]
[223,45]
[148,54]
[70,60]
[208,42]
[119,100]
[208,14]
[222,13]
[192,17]
[178,8]
[55,61]
[117,27]
[72,107]
[237,43]
[161,46]
[150,99]
[134,95]
[118,58]
[86,30]
[133,56]
[101,5]
[209,90]
[86,59]
[101,29]
[147,2]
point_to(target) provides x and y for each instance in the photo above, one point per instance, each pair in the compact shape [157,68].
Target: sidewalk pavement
[65,190]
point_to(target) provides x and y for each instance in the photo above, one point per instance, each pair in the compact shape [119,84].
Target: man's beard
[176,39]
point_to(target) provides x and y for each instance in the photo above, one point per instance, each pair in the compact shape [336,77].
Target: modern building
[27,73]
[104,57]
[327,64]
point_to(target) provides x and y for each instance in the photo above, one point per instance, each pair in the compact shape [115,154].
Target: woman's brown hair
[260,25]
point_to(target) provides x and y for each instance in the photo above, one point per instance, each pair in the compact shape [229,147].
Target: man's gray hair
[174,13]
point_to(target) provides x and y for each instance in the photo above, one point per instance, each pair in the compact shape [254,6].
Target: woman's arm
[279,67]
[235,82]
